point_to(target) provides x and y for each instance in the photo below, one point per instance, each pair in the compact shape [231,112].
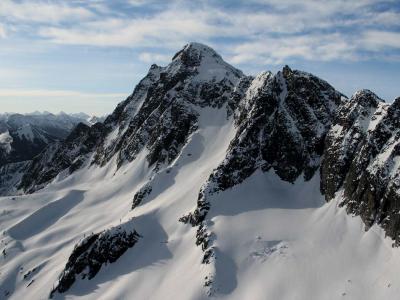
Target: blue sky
[87,55]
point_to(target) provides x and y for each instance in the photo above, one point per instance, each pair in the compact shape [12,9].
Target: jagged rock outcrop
[166,101]
[94,251]
[354,120]
[10,176]
[281,124]
[362,158]
[141,195]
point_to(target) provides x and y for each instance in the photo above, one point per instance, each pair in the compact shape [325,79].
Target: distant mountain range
[23,136]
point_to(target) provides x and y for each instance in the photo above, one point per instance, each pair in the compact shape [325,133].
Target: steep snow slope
[273,239]
[241,154]
[73,201]
[276,240]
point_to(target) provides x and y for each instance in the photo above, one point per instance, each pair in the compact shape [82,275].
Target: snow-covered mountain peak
[396,104]
[366,98]
[286,70]
[164,109]
[197,74]
[204,62]
[95,119]
[258,82]
[193,53]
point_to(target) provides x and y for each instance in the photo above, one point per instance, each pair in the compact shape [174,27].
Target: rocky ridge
[361,161]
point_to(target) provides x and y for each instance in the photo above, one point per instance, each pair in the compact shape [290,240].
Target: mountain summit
[232,186]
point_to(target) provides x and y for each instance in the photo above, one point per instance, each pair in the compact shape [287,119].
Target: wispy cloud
[149,57]
[42,11]
[139,2]
[3,33]
[167,28]
[277,30]
[275,51]
[378,39]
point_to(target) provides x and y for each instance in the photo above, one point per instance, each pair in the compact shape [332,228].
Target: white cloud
[311,47]
[138,2]
[40,11]
[3,33]
[322,7]
[378,40]
[169,28]
[312,30]
[149,57]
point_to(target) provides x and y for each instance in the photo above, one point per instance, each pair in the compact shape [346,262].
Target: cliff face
[361,158]
[281,124]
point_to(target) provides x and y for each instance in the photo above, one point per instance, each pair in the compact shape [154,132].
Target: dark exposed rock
[371,186]
[140,195]
[10,176]
[343,140]
[196,217]
[281,124]
[362,158]
[94,251]
[28,275]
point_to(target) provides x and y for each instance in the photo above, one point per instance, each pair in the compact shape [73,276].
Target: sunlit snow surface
[273,239]
[5,141]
